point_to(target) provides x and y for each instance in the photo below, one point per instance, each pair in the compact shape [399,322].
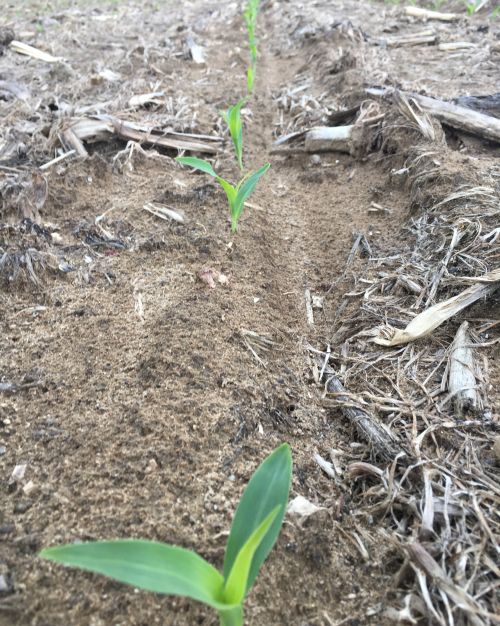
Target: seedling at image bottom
[168,569]
[236,195]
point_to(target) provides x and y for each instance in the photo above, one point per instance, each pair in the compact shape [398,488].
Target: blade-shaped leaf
[267,489]
[148,565]
[247,187]
[233,121]
[230,191]
[244,190]
[250,78]
[253,52]
[197,164]
[236,583]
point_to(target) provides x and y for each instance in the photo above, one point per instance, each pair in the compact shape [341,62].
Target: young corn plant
[232,118]
[236,195]
[168,569]
[250,78]
[250,17]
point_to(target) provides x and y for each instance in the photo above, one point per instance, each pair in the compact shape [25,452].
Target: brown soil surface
[140,410]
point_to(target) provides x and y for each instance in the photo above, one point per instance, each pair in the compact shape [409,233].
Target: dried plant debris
[431,398]
[460,117]
[357,139]
[26,254]
[103,127]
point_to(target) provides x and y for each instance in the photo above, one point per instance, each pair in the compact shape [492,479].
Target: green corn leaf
[244,189]
[249,18]
[248,184]
[197,164]
[233,121]
[233,616]
[236,583]
[250,78]
[253,53]
[268,488]
[148,565]
[230,191]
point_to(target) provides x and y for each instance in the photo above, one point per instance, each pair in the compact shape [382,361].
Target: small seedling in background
[232,118]
[250,17]
[236,195]
[250,78]
[163,568]
[470,8]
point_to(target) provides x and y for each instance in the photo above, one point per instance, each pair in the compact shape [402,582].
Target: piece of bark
[426,322]
[142,99]
[488,104]
[462,383]
[328,139]
[195,51]
[35,53]
[424,39]
[382,443]
[448,113]
[427,14]
[102,126]
[72,142]
[452,46]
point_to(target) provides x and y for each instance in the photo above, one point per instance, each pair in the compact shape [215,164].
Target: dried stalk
[462,383]
[485,126]
[384,444]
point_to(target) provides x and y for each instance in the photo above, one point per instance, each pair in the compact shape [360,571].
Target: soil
[140,410]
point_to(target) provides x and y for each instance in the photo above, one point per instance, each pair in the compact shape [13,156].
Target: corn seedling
[232,118]
[470,7]
[168,569]
[250,78]
[250,17]
[236,195]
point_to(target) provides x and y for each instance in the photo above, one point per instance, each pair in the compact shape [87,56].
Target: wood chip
[164,212]
[426,322]
[35,53]
[462,384]
[427,14]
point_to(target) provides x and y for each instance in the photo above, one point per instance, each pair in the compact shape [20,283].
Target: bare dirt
[136,403]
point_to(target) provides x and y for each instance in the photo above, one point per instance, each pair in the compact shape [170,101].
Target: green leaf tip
[267,489]
[232,118]
[236,584]
[197,164]
[244,190]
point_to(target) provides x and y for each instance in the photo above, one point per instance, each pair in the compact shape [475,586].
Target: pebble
[151,467]
[315,159]
[3,450]
[22,506]
[18,472]
[3,584]
[29,488]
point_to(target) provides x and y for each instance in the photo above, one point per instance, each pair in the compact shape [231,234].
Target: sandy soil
[138,407]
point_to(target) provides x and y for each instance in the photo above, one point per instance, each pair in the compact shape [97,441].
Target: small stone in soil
[4,585]
[29,488]
[22,506]
[18,472]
